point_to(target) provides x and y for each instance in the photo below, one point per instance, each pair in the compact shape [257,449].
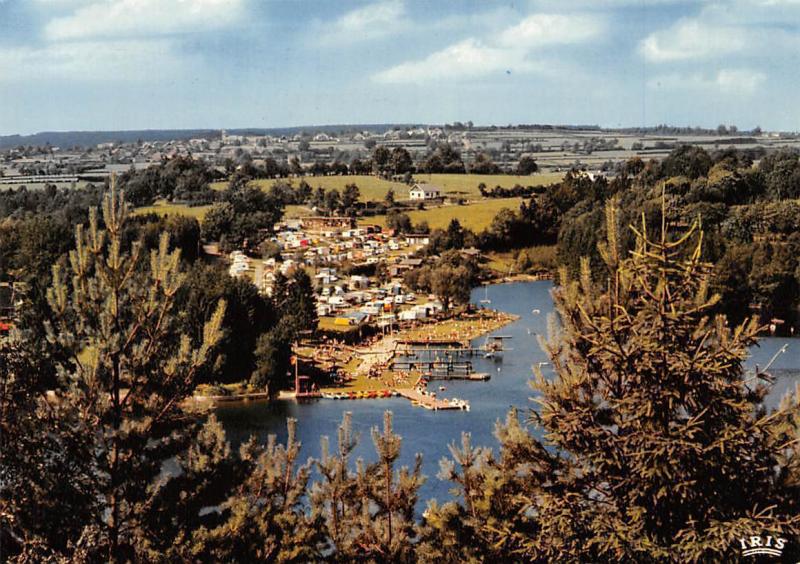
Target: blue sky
[138,64]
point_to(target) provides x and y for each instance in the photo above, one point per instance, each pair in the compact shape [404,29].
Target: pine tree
[140,465]
[657,444]
[302,302]
[387,518]
[334,496]
[368,513]
[266,518]
[493,520]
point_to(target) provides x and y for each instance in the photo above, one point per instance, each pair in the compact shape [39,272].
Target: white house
[424,191]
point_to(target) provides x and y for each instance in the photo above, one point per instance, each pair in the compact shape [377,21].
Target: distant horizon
[387,124]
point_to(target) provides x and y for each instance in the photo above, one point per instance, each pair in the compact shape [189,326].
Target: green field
[468,183]
[477,216]
[371,187]
[162,207]
[293,211]
[375,189]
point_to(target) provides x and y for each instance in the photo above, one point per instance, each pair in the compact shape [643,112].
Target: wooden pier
[446,366]
[432,342]
[452,348]
[429,402]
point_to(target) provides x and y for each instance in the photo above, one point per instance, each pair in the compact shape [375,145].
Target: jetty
[436,366]
[430,402]
[427,342]
[451,347]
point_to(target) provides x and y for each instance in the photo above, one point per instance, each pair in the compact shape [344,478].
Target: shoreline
[379,356]
[502,279]
[380,353]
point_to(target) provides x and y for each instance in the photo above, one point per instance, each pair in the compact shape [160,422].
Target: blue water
[429,432]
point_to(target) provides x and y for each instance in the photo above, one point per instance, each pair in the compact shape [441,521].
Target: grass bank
[476,216]
[163,207]
[373,188]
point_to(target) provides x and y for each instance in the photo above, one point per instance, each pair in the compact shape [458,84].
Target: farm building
[424,191]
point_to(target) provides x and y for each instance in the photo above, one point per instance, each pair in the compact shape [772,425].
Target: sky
[177,64]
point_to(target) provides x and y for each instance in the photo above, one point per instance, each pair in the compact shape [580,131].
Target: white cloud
[507,52]
[469,58]
[364,19]
[739,82]
[126,60]
[551,29]
[372,21]
[723,28]
[142,18]
[603,5]
[691,39]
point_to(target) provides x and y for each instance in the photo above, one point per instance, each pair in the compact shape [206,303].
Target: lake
[430,432]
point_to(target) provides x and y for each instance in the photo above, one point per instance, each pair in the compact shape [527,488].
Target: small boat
[442,388]
[536,312]
[460,404]
[486,299]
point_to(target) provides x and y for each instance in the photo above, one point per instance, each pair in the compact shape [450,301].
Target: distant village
[554,150]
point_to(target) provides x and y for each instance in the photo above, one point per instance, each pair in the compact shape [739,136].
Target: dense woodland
[649,425]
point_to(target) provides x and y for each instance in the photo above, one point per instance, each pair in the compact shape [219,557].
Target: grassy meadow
[476,216]
[162,207]
[375,189]
[467,184]
[371,187]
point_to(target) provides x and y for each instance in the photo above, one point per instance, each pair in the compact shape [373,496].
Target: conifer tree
[334,495]
[386,521]
[140,465]
[266,518]
[656,441]
[492,519]
[368,513]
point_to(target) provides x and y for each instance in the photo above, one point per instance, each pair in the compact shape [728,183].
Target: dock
[428,342]
[430,402]
[437,366]
[450,348]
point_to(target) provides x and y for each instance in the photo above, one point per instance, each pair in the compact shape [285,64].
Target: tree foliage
[244,219]
[650,424]
[116,415]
